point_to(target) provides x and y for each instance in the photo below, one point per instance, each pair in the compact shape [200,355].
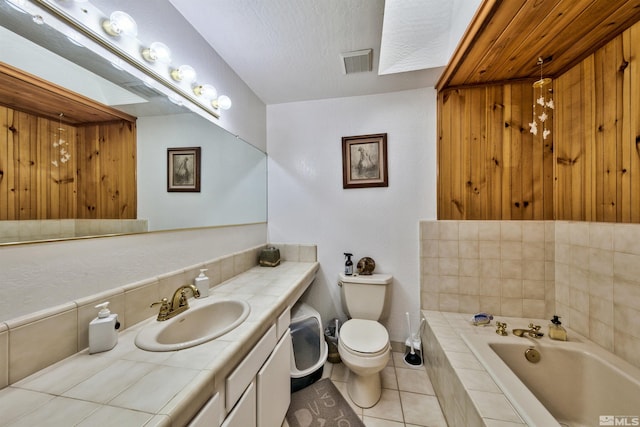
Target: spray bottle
[348,265]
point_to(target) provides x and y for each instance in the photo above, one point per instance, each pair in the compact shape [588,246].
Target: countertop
[127,386]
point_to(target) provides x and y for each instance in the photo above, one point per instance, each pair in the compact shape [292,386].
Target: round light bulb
[120,23]
[157,52]
[206,91]
[183,73]
[223,102]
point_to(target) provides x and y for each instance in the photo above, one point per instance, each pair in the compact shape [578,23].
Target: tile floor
[408,399]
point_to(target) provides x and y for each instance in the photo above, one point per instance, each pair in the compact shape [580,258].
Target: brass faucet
[533,331]
[501,328]
[179,302]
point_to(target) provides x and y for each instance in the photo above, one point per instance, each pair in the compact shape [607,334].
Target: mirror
[233,172]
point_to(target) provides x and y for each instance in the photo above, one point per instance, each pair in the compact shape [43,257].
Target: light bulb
[223,102]
[183,73]
[120,23]
[157,52]
[206,91]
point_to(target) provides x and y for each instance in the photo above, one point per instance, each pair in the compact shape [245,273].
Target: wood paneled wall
[98,181]
[598,134]
[491,167]
[107,171]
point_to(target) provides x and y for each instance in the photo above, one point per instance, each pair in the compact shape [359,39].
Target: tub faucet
[533,332]
[178,304]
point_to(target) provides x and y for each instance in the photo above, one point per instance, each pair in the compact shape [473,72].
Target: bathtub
[575,383]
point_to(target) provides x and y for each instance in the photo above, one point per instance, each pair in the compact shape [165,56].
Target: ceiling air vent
[357,61]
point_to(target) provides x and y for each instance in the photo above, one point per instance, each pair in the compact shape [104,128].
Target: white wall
[307,203]
[233,179]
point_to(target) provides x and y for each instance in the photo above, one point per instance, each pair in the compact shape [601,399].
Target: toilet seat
[362,337]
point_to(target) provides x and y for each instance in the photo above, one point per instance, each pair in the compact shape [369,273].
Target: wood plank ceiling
[506,38]
[26,92]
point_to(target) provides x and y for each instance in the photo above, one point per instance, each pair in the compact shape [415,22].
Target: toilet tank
[366,296]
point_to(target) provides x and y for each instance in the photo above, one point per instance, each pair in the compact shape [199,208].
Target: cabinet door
[244,413]
[246,371]
[210,414]
[274,385]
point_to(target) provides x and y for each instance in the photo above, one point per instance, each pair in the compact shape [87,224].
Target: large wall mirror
[233,172]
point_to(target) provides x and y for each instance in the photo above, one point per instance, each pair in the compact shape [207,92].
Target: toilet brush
[411,358]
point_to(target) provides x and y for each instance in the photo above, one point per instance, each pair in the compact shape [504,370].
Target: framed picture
[364,161]
[183,169]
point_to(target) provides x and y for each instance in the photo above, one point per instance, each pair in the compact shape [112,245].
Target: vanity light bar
[122,32]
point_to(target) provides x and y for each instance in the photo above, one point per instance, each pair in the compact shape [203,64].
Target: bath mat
[321,404]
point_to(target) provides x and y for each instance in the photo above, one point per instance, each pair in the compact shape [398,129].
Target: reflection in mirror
[233,188]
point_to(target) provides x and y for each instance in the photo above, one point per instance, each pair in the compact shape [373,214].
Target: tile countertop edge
[187,401]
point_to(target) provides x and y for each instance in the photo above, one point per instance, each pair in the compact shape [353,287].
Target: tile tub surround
[591,274]
[468,394]
[598,284]
[63,330]
[500,267]
[130,386]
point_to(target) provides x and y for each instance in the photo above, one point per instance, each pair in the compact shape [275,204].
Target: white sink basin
[205,320]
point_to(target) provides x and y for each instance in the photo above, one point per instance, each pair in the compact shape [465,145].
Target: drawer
[240,378]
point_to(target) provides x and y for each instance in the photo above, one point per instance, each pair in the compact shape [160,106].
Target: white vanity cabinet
[257,392]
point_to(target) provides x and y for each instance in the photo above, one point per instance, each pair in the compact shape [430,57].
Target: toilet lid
[364,336]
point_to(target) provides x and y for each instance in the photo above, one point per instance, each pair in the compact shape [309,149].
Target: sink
[205,320]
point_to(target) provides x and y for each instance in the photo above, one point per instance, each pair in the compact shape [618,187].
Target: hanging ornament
[59,143]
[542,105]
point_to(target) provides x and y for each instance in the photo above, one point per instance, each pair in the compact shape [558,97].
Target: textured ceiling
[289,50]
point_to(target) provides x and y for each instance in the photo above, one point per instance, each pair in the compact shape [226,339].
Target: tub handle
[501,328]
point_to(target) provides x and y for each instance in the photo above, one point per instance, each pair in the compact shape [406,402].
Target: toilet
[363,343]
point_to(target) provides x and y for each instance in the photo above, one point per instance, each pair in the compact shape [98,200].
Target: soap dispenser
[348,265]
[103,330]
[202,283]
[556,330]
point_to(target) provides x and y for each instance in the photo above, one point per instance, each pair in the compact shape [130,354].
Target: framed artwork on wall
[183,169]
[364,161]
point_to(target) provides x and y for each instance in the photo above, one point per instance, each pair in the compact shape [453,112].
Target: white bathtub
[574,383]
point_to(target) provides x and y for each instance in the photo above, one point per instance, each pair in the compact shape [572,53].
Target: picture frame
[183,169]
[364,161]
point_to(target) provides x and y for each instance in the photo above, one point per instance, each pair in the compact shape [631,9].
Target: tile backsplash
[586,272]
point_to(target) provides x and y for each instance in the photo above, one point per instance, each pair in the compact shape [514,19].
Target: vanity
[240,379]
